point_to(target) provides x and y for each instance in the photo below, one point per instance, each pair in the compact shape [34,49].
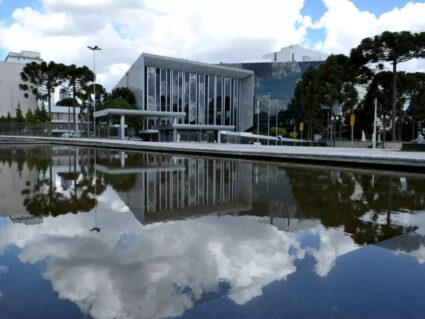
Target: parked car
[71,134]
[135,138]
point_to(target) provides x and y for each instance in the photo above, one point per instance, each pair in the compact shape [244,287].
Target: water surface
[91,233]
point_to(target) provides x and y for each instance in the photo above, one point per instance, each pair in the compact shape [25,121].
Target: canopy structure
[123,113]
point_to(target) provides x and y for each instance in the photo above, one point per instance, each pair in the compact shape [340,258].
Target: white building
[11,96]
[63,120]
[295,53]
[23,57]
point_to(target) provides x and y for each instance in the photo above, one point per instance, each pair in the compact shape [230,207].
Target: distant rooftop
[23,57]
[295,53]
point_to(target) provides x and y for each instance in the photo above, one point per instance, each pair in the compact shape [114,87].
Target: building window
[211,100]
[163,89]
[186,96]
[157,89]
[235,118]
[227,102]
[219,101]
[181,94]
[192,98]
[175,78]
[168,108]
[201,99]
[151,89]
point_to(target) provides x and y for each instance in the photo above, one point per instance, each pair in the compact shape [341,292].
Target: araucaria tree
[41,79]
[77,79]
[392,47]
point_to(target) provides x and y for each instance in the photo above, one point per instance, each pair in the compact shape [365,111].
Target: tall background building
[11,96]
[275,77]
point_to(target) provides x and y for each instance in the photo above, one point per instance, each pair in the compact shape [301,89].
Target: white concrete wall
[10,94]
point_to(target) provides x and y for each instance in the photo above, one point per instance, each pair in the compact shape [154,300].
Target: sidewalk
[386,159]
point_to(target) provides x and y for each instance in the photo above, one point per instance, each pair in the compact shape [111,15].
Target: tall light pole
[268,120]
[374,124]
[277,121]
[94,49]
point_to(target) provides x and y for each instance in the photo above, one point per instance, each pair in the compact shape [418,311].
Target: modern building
[204,98]
[295,53]
[11,96]
[63,120]
[274,87]
[23,57]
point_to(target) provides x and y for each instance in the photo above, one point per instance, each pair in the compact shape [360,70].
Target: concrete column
[122,157]
[122,127]
[109,126]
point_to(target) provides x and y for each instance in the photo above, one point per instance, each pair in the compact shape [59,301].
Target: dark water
[90,233]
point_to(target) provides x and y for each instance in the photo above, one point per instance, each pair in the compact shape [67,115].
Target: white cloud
[345,26]
[211,30]
[164,268]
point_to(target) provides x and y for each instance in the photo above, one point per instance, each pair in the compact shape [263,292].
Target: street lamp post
[94,49]
[334,119]
[277,121]
[384,125]
[268,121]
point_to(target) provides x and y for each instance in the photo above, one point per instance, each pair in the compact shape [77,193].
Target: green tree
[118,103]
[19,115]
[77,79]
[392,47]
[124,93]
[41,79]
[29,117]
[41,115]
[280,131]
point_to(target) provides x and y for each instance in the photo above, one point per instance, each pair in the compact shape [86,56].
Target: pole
[258,121]
[94,92]
[268,121]
[384,122]
[94,49]
[277,123]
[374,124]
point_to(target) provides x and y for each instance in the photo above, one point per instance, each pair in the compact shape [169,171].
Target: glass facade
[206,99]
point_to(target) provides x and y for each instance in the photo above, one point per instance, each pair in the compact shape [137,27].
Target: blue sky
[62,29]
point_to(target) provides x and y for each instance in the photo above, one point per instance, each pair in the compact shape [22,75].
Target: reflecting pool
[93,233]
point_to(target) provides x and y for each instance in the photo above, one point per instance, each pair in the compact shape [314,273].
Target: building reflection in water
[165,187]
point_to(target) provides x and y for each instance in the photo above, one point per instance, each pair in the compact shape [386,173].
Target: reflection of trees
[341,199]
[38,158]
[44,198]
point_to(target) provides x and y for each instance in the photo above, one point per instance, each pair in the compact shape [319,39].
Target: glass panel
[181,93]
[157,90]
[151,89]
[201,110]
[236,103]
[168,91]
[163,88]
[211,100]
[175,78]
[219,113]
[192,98]
[227,101]
[186,96]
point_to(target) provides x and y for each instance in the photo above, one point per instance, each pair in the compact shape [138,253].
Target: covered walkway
[123,113]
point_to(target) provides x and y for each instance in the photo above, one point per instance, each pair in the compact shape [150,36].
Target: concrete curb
[381,159]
